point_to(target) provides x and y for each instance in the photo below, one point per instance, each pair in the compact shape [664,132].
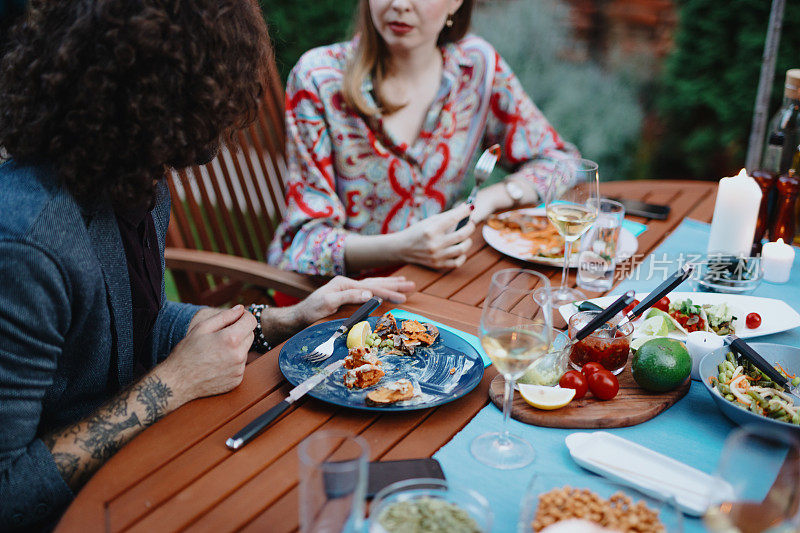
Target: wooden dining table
[179,475]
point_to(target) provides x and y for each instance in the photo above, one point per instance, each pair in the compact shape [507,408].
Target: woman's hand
[434,242]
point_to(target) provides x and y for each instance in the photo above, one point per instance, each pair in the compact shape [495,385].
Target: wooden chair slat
[258,208]
[235,238]
[274,199]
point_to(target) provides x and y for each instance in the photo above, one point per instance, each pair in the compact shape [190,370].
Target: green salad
[427,515]
[740,382]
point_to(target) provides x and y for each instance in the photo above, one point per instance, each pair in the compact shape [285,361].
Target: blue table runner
[692,431]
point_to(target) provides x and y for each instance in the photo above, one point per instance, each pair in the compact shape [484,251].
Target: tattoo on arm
[79,450]
[154,395]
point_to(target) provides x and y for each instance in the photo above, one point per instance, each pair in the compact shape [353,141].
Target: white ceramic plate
[515,246]
[776,315]
[653,473]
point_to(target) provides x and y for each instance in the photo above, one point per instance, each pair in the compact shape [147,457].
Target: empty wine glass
[572,201]
[757,483]
[514,332]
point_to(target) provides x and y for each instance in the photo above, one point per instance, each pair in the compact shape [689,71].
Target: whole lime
[660,365]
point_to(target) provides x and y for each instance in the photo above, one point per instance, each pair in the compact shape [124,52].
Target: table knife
[258,425]
[745,350]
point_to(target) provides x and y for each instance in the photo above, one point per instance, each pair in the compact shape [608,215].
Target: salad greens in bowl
[745,395]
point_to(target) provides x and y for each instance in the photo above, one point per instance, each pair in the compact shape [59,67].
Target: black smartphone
[381,474]
[642,209]
[384,473]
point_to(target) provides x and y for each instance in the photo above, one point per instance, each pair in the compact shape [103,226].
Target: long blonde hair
[370,56]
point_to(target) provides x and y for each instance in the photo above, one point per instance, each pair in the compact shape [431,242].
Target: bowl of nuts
[571,503]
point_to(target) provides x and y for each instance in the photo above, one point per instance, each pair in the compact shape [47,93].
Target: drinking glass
[757,483]
[572,201]
[514,332]
[333,482]
[597,259]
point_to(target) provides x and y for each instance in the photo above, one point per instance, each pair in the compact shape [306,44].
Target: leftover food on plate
[740,382]
[365,368]
[363,376]
[544,239]
[617,513]
[396,391]
[427,515]
[357,357]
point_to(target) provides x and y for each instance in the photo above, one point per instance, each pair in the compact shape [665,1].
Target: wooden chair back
[230,206]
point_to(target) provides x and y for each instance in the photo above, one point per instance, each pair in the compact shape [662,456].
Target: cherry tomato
[603,384]
[574,380]
[662,304]
[630,307]
[752,321]
[590,368]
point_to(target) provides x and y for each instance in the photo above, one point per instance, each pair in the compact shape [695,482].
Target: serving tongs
[651,299]
[602,317]
[745,350]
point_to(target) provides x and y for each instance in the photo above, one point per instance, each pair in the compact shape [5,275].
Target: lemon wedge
[543,397]
[357,336]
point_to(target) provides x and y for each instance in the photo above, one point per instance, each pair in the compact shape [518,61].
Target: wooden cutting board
[632,405]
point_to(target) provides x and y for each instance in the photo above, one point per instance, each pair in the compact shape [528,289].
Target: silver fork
[325,350]
[483,169]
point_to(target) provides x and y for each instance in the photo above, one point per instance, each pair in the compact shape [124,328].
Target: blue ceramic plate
[429,369]
[787,356]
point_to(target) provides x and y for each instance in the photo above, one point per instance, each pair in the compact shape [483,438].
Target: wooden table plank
[178,474]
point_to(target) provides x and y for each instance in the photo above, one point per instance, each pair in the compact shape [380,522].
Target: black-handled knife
[745,350]
[247,433]
[605,315]
[361,313]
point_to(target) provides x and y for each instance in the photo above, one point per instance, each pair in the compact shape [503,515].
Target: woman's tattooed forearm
[79,450]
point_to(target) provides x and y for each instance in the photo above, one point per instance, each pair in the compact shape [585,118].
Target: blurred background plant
[648,88]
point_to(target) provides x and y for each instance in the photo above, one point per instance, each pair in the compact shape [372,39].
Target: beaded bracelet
[260,343]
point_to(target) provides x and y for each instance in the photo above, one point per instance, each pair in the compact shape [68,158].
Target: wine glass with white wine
[572,201]
[757,483]
[515,331]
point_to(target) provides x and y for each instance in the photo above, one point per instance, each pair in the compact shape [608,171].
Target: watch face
[514,191]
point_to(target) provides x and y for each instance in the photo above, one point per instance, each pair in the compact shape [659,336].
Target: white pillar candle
[700,343]
[776,260]
[735,215]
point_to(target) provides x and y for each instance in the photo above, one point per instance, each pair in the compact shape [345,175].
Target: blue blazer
[66,340]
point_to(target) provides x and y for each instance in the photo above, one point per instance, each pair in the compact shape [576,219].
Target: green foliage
[710,81]
[297,26]
[597,110]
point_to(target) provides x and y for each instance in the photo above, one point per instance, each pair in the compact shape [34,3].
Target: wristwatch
[514,190]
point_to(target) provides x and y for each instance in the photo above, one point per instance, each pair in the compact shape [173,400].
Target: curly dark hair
[114,92]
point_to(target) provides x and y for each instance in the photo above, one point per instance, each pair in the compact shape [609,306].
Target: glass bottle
[765,177]
[787,119]
[788,186]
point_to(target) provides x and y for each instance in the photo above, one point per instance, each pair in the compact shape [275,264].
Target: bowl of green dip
[429,506]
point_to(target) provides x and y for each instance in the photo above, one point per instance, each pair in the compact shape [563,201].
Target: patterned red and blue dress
[348,174]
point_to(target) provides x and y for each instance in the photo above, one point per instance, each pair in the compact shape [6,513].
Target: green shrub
[297,26]
[710,81]
[597,110]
